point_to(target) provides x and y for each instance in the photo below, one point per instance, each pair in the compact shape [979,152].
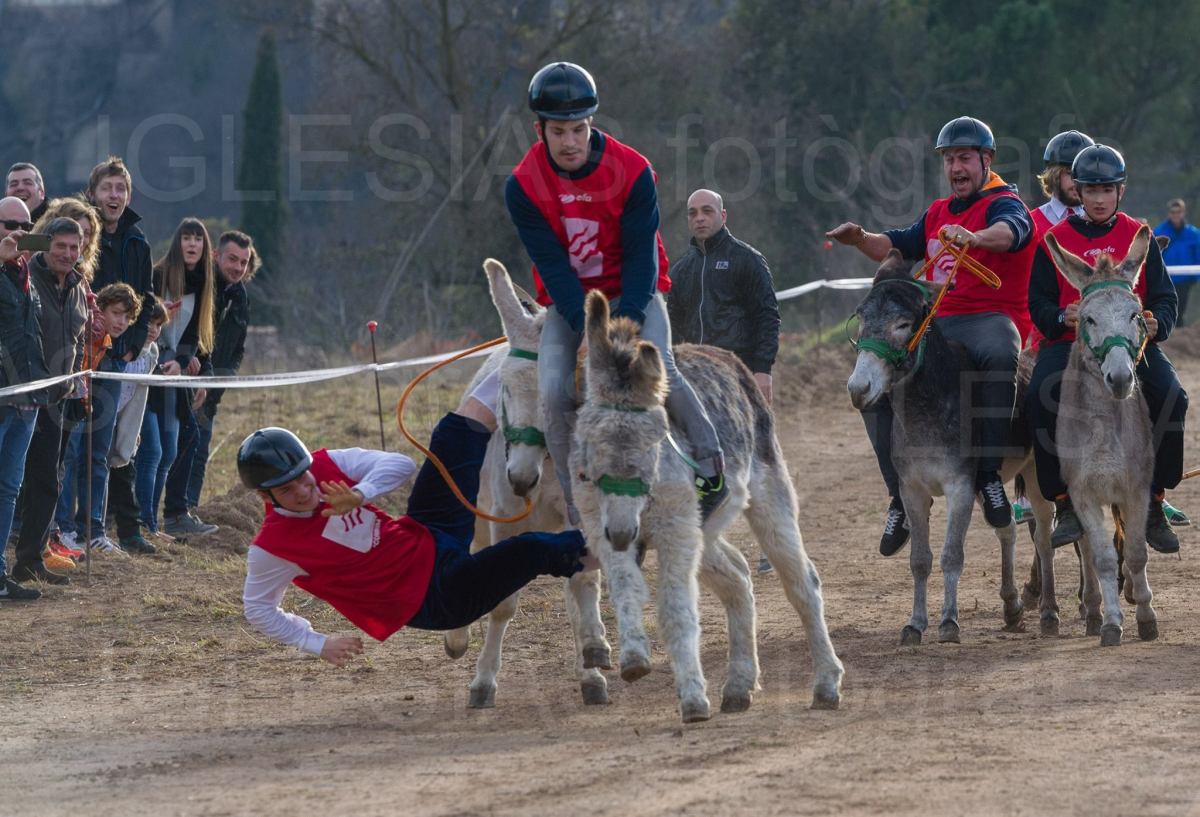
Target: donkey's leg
[487,667]
[679,544]
[455,642]
[1033,588]
[1134,516]
[592,653]
[1104,562]
[723,569]
[920,560]
[1043,514]
[1089,595]
[960,500]
[772,515]
[1014,609]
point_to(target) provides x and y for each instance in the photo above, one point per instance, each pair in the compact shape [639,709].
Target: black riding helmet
[1063,148]
[1098,164]
[564,91]
[271,457]
[965,132]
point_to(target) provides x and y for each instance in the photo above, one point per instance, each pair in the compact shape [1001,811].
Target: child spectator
[130,407]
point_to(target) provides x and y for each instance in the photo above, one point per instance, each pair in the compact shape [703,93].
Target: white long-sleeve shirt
[374,473]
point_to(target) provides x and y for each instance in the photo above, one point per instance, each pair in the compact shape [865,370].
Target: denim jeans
[16,430]
[105,395]
[156,452]
[187,474]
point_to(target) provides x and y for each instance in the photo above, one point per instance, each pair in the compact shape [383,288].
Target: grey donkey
[635,487]
[517,467]
[1104,435]
[928,448]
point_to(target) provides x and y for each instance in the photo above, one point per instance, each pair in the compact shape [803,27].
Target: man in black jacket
[21,361]
[124,250]
[236,263]
[722,293]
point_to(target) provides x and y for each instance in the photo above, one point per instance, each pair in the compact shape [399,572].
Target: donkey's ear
[647,377]
[1162,241]
[892,266]
[1076,270]
[1135,259]
[515,319]
[596,322]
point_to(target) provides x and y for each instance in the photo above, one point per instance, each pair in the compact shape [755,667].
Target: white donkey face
[618,453]
[520,407]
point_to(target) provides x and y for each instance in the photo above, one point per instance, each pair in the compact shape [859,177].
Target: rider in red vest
[381,572]
[586,209]
[985,215]
[1063,200]
[1099,175]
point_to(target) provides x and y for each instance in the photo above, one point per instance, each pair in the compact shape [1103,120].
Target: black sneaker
[1067,528]
[11,591]
[1158,530]
[996,509]
[137,544]
[713,492]
[38,573]
[895,529]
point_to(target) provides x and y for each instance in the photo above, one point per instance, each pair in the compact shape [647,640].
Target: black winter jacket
[125,258]
[722,294]
[229,343]
[21,358]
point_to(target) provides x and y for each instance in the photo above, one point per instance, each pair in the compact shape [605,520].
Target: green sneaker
[1176,517]
[137,544]
[712,492]
[1022,511]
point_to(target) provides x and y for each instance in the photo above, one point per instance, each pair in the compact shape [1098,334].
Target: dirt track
[146,693]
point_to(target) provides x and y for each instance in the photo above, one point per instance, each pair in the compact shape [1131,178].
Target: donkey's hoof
[482,697]
[1148,630]
[910,636]
[597,658]
[735,702]
[1094,624]
[1050,626]
[1110,635]
[948,632]
[1014,618]
[455,650]
[594,694]
[824,698]
[695,711]
[634,667]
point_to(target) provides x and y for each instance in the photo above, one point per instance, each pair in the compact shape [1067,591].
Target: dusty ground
[146,693]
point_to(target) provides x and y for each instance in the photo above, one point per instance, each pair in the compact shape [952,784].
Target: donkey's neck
[932,394]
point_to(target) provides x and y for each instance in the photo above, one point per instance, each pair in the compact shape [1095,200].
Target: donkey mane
[623,368]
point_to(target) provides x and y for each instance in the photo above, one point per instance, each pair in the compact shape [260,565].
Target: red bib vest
[970,295]
[585,214]
[1041,224]
[371,568]
[1115,244]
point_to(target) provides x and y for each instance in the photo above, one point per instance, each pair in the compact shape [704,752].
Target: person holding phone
[183,280]
[63,319]
[23,361]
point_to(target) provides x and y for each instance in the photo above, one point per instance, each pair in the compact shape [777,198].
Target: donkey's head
[622,422]
[888,318]
[520,409]
[1111,326]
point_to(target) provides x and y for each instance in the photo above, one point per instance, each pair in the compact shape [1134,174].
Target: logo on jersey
[356,529]
[941,270]
[721,265]
[1093,255]
[571,198]
[583,247]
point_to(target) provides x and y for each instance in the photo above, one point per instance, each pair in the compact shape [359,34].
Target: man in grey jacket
[722,293]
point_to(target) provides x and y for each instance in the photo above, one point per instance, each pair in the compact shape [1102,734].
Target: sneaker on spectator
[38,572]
[764,564]
[187,524]
[56,563]
[137,544]
[11,591]
[106,546]
[65,544]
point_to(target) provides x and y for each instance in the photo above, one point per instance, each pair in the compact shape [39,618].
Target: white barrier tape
[1185,271]
[837,283]
[243,381]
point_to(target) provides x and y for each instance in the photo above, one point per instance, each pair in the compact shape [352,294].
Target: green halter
[635,486]
[520,435]
[897,356]
[1101,350]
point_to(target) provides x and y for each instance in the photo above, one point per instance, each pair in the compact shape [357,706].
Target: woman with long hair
[183,280]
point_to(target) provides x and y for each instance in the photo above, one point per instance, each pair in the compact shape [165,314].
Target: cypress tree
[262,164]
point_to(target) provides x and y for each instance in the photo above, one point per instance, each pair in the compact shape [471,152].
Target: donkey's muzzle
[621,539]
[522,486]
